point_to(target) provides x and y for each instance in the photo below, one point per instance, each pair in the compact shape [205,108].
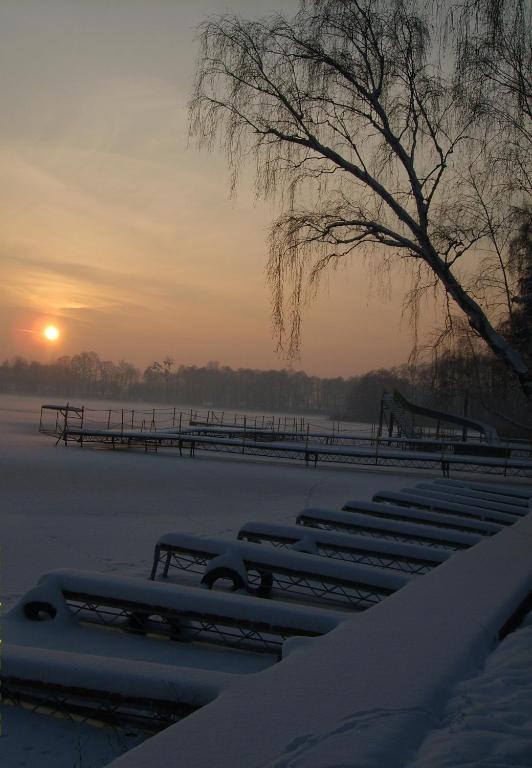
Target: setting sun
[51,332]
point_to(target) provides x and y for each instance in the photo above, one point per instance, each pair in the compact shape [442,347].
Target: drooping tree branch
[365,141]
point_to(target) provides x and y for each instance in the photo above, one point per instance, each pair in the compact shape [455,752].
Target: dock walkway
[377,454]
[77,424]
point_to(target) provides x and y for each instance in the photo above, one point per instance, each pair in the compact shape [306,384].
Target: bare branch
[363,140]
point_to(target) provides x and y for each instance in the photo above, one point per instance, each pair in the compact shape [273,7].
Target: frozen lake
[102,510]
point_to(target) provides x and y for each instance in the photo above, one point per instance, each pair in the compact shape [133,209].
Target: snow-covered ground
[103,511]
[488,719]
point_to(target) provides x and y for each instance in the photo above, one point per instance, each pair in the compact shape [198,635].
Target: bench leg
[167,564]
[156,556]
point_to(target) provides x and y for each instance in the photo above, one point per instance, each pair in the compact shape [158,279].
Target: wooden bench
[421,515]
[397,530]
[258,569]
[384,553]
[474,500]
[181,612]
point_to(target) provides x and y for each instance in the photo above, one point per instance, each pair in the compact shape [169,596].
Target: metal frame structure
[431,496]
[184,625]
[377,455]
[515,493]
[424,516]
[262,577]
[191,617]
[315,520]
[73,424]
[348,553]
[83,704]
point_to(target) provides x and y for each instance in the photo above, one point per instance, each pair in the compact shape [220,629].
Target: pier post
[66,423]
[81,425]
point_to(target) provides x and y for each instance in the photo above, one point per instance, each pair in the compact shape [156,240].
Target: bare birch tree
[372,144]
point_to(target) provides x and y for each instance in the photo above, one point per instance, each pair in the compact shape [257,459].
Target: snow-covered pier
[313,448]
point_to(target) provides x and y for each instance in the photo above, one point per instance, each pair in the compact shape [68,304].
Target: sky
[122,234]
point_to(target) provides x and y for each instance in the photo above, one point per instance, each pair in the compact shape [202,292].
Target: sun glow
[51,332]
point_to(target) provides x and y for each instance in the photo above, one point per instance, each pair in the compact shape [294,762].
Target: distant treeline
[213,386]
[454,382]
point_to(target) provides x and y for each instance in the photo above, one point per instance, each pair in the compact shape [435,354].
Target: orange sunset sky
[116,231]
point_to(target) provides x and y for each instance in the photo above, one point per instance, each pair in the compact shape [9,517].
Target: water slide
[400,412]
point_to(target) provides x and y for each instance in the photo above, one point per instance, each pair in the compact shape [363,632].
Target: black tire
[37,610]
[176,632]
[210,578]
[138,621]
[264,587]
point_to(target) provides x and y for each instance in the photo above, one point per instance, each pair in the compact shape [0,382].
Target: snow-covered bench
[397,530]
[420,514]
[408,558]
[259,569]
[461,494]
[495,489]
[181,612]
[476,505]
[413,497]
[110,690]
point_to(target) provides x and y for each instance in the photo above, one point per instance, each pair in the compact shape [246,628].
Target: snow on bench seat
[417,513]
[495,512]
[181,612]
[412,497]
[510,490]
[111,690]
[258,569]
[457,495]
[397,530]
[409,558]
